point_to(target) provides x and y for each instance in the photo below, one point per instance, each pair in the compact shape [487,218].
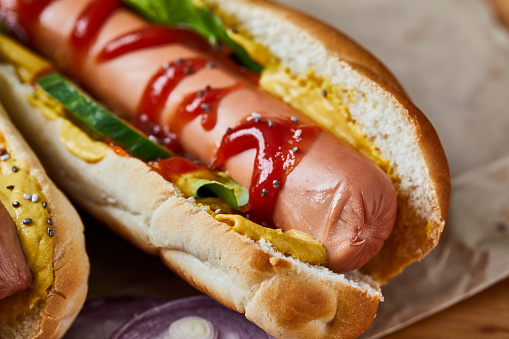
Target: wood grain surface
[483,316]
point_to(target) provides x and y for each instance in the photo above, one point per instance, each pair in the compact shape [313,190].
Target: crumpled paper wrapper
[452,56]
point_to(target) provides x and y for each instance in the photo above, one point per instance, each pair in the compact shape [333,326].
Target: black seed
[50,232]
[188,70]
[50,221]
[324,92]
[45,204]
[15,169]
[27,221]
[211,64]
[10,187]
[294,119]
[3,152]
[228,129]
[234,30]
[205,107]
[295,149]
[207,88]
[264,193]
[179,61]
[276,183]
[271,124]
[200,94]
[15,204]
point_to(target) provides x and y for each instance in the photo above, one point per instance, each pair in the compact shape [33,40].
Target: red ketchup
[88,25]
[280,145]
[21,20]
[155,36]
[156,94]
[203,103]
[173,167]
[115,147]
[152,36]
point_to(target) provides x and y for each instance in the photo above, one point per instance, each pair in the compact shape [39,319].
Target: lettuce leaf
[226,189]
[201,19]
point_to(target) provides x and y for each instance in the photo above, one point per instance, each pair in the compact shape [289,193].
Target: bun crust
[70,262]
[287,298]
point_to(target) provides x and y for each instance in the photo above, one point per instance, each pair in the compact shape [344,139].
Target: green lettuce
[226,189]
[201,19]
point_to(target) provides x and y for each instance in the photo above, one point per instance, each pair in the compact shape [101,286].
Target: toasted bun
[70,263]
[287,298]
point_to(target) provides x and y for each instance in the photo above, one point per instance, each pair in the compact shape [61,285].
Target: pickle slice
[101,122]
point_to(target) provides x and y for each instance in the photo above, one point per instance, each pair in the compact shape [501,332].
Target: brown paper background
[452,56]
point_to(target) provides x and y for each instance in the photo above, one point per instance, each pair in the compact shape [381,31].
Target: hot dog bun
[287,298]
[397,127]
[51,316]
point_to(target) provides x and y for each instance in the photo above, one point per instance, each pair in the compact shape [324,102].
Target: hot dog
[330,191]
[44,267]
[15,274]
[358,200]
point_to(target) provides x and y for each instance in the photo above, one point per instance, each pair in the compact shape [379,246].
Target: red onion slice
[155,323]
[99,318]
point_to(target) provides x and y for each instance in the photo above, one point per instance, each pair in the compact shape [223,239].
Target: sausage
[15,274]
[333,193]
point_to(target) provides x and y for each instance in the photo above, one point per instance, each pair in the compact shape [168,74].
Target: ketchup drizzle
[174,167]
[156,93]
[28,13]
[202,103]
[279,145]
[152,36]
[164,82]
[89,23]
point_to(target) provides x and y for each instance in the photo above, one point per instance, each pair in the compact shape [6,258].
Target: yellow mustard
[16,186]
[291,243]
[81,144]
[28,65]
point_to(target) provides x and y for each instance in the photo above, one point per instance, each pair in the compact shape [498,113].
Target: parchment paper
[453,59]
[452,56]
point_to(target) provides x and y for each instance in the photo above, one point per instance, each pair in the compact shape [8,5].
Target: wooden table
[483,316]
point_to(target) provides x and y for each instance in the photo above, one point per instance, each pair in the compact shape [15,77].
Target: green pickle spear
[101,122]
